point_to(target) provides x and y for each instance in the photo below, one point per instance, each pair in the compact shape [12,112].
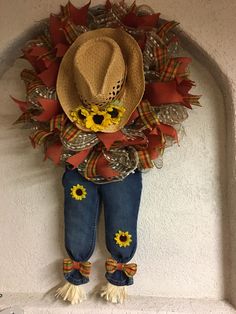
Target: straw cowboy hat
[101,80]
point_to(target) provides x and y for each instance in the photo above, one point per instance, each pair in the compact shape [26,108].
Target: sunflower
[97,120]
[116,113]
[123,238]
[78,192]
[79,115]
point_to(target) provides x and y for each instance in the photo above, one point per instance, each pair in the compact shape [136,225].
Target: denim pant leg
[80,221]
[121,205]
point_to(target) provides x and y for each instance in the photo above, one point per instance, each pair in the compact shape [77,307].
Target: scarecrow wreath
[106,95]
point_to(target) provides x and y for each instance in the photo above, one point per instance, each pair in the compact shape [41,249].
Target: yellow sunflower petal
[78,192]
[89,122]
[95,108]
[84,112]
[120,111]
[123,239]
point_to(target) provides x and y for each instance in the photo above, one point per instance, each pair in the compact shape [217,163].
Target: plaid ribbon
[170,70]
[145,161]
[112,265]
[90,171]
[165,28]
[161,57]
[70,132]
[38,137]
[58,122]
[147,115]
[192,100]
[83,267]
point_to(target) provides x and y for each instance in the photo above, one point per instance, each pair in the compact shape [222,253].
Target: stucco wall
[183,231]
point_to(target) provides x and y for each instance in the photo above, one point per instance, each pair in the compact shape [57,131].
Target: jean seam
[92,245]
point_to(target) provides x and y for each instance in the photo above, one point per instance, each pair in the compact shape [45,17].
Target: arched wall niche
[227,87]
[227,241]
[228,91]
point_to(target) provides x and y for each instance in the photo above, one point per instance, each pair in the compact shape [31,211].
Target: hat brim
[134,85]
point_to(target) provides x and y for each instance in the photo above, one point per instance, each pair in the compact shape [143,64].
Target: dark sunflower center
[123,238]
[98,119]
[80,115]
[79,192]
[114,113]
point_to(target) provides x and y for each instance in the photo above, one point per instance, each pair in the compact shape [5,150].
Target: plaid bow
[112,265]
[83,267]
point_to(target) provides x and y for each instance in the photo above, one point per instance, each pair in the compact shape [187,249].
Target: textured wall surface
[183,217]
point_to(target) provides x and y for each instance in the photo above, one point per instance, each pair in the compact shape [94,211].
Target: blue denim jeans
[121,205]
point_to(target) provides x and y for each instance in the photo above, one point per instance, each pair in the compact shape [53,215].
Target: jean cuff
[76,278]
[119,278]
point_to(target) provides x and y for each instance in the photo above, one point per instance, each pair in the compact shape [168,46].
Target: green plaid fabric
[145,161]
[38,137]
[58,122]
[165,28]
[170,70]
[70,132]
[192,100]
[147,115]
[90,171]
[161,57]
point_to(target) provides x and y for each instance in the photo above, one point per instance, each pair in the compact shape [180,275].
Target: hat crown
[99,71]
[123,70]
